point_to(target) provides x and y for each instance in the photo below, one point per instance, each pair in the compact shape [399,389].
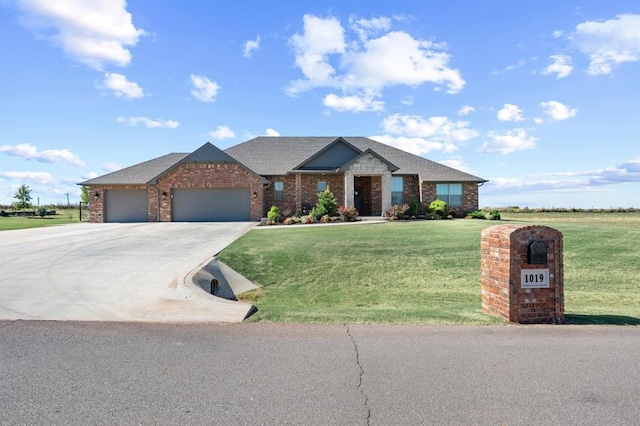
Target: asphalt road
[113,272]
[251,373]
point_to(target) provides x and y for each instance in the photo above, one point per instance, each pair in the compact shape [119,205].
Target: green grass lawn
[428,271]
[63,216]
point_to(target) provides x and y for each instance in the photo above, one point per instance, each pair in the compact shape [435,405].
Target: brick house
[244,181]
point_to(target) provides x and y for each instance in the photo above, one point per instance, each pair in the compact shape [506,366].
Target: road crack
[361,373]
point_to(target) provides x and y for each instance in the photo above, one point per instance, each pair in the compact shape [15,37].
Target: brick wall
[288,202]
[504,254]
[216,175]
[469,197]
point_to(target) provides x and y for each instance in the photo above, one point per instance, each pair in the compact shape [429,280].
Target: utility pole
[68,203]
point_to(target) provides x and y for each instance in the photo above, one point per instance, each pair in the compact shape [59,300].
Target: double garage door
[187,205]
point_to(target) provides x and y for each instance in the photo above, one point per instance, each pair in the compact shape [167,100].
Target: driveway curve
[113,272]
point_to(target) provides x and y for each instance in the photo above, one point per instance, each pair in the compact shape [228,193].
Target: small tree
[327,204]
[23,195]
[84,194]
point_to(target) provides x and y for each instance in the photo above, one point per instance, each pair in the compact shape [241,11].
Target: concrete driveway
[113,272]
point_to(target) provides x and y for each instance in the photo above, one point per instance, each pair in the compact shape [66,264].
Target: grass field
[428,271]
[64,216]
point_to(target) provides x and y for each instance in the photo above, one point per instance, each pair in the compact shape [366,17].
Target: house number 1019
[534,278]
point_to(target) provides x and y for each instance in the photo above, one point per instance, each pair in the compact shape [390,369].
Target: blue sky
[542,98]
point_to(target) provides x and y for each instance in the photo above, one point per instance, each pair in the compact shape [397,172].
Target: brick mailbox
[522,274]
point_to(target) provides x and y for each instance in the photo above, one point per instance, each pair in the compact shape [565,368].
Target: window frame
[278,194]
[397,195]
[447,196]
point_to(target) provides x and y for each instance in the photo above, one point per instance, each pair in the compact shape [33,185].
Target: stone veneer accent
[369,165]
[504,253]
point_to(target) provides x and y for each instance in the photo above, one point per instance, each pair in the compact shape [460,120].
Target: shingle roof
[270,155]
[139,174]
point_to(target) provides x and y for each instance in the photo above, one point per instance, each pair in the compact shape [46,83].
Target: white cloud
[41,178]
[438,128]
[417,146]
[352,103]
[96,33]
[87,176]
[508,142]
[510,112]
[250,46]
[222,132]
[561,66]
[110,167]
[459,165]
[30,152]
[407,100]
[557,33]
[132,121]
[204,89]
[557,111]
[367,65]
[609,43]
[365,28]
[466,110]
[538,120]
[626,172]
[271,132]
[121,87]
[517,65]
[419,136]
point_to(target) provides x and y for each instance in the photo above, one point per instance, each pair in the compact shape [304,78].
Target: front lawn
[428,271]
[63,216]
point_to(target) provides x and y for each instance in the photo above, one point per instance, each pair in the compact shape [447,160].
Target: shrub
[327,204]
[41,211]
[494,215]
[476,215]
[414,206]
[325,219]
[439,207]
[289,221]
[349,214]
[308,219]
[274,214]
[399,210]
[432,216]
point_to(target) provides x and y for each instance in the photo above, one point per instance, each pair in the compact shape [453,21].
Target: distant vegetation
[516,209]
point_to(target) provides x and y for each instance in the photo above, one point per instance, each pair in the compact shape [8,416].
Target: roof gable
[208,153]
[331,157]
[369,151]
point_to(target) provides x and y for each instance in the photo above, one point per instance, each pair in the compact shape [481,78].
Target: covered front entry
[362,194]
[210,205]
[126,205]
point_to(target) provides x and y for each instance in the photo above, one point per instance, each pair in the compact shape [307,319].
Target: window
[450,193]
[278,188]
[397,187]
[322,185]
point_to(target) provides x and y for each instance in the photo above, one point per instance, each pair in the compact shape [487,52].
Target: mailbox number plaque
[534,278]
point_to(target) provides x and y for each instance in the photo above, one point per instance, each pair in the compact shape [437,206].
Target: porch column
[349,189]
[298,191]
[386,192]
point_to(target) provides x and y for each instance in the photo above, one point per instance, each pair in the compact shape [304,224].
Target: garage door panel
[210,205]
[126,205]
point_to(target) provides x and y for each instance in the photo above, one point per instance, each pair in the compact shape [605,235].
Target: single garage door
[211,205]
[126,205]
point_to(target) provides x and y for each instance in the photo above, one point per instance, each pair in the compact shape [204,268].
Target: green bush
[414,206]
[327,204]
[399,210]
[494,215]
[274,214]
[41,211]
[439,207]
[476,215]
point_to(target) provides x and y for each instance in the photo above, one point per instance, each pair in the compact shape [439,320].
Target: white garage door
[211,205]
[126,205]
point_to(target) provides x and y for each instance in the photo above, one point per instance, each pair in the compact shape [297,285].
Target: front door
[362,195]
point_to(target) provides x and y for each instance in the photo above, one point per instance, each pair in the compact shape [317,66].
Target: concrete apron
[220,284]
